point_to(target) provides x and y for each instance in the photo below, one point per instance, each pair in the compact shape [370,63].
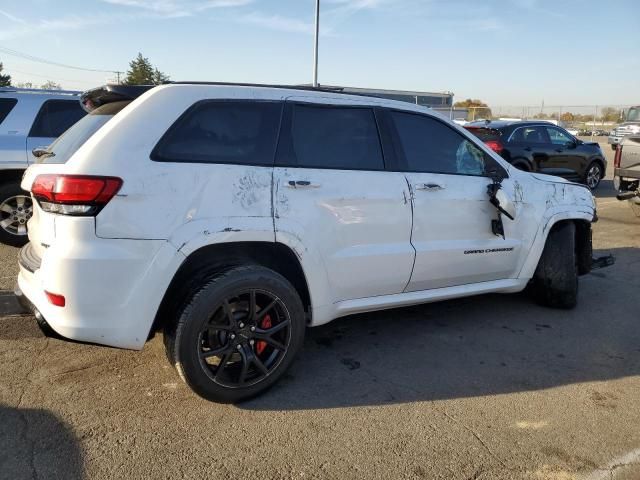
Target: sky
[504,52]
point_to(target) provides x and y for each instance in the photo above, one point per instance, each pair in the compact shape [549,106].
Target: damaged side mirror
[503,203]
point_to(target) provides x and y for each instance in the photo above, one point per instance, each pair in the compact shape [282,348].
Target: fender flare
[552,217]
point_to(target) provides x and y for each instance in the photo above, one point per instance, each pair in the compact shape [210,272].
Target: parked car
[630,126]
[29,121]
[626,175]
[243,214]
[537,146]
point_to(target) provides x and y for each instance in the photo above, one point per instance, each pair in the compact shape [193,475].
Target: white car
[30,119]
[232,217]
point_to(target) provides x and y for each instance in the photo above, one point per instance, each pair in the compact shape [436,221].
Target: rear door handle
[528,149]
[430,187]
[302,184]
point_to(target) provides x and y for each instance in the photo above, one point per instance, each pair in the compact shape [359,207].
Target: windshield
[71,140]
[633,115]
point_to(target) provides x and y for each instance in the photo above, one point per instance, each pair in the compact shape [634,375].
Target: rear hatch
[629,157]
[102,104]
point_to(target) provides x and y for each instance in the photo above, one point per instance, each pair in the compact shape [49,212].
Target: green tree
[477,108]
[5,80]
[142,72]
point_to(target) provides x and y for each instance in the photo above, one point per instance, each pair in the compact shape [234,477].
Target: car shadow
[34,443]
[471,347]
[605,189]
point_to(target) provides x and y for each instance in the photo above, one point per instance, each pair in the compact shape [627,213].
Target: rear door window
[342,138]
[533,134]
[55,117]
[6,105]
[213,131]
[427,145]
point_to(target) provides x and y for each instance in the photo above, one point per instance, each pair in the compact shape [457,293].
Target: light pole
[315,46]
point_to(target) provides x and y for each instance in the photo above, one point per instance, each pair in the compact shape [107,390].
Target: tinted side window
[428,145]
[530,135]
[558,137]
[223,132]
[332,137]
[55,117]
[6,105]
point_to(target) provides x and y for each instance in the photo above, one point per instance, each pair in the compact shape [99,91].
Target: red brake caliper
[264,324]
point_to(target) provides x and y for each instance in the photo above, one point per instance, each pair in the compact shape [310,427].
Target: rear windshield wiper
[42,152]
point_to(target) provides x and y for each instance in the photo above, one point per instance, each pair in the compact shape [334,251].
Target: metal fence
[577,116]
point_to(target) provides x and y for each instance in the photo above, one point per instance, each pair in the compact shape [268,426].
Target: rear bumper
[614,140]
[112,289]
[626,173]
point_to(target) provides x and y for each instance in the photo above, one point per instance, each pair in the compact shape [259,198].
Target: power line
[48,77]
[33,58]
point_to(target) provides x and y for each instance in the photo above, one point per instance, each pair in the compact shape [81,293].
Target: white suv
[234,216]
[29,121]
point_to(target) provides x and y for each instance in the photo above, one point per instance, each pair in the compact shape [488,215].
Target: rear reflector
[57,300]
[74,194]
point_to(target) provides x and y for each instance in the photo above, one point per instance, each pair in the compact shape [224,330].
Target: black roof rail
[96,97]
[319,88]
[39,90]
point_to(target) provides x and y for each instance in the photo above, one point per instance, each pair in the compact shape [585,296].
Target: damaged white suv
[232,217]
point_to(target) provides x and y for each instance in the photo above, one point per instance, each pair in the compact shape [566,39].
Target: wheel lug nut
[241,325]
[239,347]
[233,336]
[253,329]
[251,342]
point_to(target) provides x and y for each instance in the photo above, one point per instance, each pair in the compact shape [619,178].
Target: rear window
[485,134]
[213,131]
[67,144]
[55,117]
[6,105]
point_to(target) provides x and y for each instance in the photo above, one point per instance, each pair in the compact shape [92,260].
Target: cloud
[22,28]
[278,22]
[13,18]
[177,8]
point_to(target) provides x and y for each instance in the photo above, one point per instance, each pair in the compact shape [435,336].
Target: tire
[555,281]
[15,209]
[593,175]
[218,323]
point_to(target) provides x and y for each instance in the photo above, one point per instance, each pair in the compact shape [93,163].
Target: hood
[549,178]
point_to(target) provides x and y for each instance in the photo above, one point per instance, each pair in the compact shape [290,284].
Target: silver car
[30,120]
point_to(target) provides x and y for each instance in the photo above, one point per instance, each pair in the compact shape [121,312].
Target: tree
[51,85]
[610,114]
[5,80]
[477,108]
[142,72]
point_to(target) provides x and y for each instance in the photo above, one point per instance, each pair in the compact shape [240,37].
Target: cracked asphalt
[491,387]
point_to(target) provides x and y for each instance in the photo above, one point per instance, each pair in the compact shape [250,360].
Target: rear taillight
[494,145]
[55,299]
[74,194]
[617,157]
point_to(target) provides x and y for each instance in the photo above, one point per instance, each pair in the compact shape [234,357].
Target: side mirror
[572,143]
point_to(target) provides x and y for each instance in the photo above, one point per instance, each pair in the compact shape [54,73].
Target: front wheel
[593,175]
[238,334]
[555,281]
[15,210]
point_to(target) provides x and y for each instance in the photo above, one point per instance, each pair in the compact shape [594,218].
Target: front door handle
[559,150]
[528,149]
[430,187]
[302,184]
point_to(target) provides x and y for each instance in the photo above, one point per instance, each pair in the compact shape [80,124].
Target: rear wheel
[593,175]
[15,210]
[555,281]
[238,334]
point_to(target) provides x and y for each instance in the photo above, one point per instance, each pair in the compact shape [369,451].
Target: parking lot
[491,387]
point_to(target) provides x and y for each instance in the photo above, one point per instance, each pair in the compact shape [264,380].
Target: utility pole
[315,46]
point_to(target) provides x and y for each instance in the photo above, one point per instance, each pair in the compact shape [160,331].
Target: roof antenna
[315,46]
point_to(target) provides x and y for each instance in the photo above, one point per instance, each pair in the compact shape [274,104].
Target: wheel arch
[581,218]
[206,261]
[11,175]
[522,161]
